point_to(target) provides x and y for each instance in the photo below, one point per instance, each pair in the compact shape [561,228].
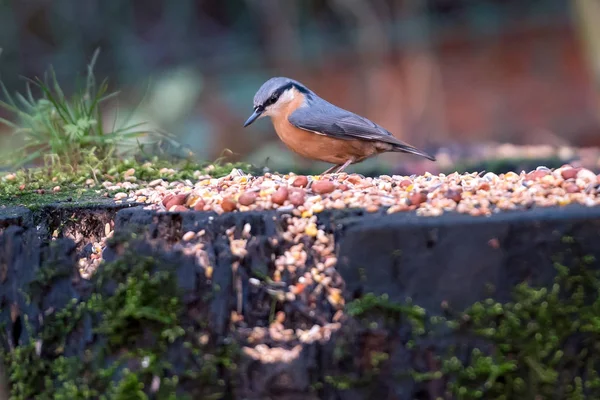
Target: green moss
[545,340]
[343,382]
[35,200]
[172,170]
[138,319]
[34,188]
[373,307]
[375,313]
[544,343]
[38,368]
[144,298]
[130,388]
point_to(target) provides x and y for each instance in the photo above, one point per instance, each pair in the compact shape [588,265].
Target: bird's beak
[257,112]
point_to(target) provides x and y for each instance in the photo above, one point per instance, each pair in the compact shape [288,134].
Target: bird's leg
[344,166]
[330,169]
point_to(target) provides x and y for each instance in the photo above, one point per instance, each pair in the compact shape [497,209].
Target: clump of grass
[69,149]
[63,131]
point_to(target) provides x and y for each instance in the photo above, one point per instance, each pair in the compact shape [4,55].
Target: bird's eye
[271,100]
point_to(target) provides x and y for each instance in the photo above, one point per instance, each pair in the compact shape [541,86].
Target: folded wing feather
[341,124]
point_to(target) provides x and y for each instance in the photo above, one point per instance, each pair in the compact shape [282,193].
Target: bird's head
[273,96]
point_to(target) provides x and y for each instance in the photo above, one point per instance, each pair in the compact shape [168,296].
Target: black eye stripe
[272,99]
[275,96]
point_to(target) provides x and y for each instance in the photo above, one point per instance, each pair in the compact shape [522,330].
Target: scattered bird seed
[478,194]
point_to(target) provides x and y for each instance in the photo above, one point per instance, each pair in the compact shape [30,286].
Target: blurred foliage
[406,64]
[233,36]
[66,130]
[207,58]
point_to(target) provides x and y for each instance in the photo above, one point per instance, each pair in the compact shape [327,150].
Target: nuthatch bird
[316,129]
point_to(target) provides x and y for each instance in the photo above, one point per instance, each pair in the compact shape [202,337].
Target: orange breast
[319,147]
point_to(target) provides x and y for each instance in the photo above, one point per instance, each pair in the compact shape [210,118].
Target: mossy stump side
[450,307]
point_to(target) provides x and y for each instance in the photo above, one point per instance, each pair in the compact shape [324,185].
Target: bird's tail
[406,148]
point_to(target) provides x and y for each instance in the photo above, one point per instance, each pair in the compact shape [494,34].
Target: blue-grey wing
[326,119]
[338,123]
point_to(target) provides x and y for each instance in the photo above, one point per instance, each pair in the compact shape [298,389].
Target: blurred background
[460,78]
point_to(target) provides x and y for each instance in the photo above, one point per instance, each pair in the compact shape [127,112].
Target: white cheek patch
[285,98]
